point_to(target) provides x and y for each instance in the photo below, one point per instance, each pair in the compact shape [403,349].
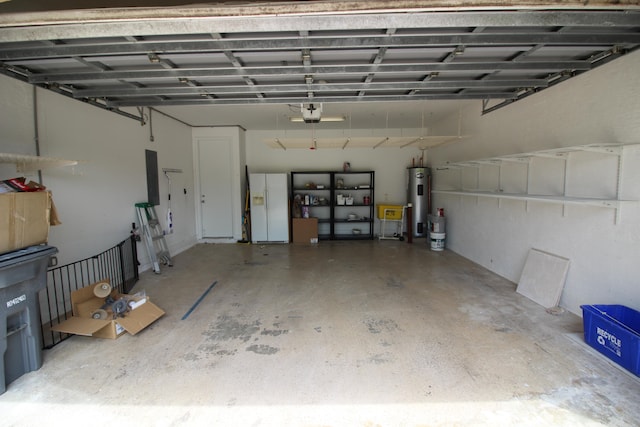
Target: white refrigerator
[269,207]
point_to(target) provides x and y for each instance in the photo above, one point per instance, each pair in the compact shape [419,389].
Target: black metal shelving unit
[342,202]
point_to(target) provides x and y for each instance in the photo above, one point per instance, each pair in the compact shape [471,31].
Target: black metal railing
[118,264]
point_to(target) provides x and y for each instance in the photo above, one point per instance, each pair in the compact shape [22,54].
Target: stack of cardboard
[29,212]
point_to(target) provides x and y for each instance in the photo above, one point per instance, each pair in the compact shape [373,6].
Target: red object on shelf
[20,185]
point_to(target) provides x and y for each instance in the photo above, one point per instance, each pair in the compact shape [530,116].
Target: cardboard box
[84,304]
[28,219]
[305,230]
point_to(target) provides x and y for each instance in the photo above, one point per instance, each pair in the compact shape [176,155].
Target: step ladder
[153,236]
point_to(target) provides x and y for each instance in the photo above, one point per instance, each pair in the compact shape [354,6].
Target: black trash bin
[23,273]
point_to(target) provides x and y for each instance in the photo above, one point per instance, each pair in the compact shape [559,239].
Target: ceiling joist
[351,56]
[278,43]
[174,22]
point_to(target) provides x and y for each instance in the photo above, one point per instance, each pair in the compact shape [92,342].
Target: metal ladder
[153,236]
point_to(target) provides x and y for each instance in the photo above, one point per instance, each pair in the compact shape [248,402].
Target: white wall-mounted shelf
[603,203]
[27,163]
[556,153]
[525,158]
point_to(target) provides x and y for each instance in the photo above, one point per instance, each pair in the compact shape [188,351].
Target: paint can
[437,241]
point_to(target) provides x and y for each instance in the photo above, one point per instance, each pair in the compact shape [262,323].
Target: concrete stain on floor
[227,328]
[342,333]
[381,358]
[262,349]
[274,332]
[377,326]
[601,408]
[225,336]
[393,282]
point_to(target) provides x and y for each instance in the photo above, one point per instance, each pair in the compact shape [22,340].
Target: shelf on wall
[588,201]
[563,153]
[556,153]
[27,163]
[422,142]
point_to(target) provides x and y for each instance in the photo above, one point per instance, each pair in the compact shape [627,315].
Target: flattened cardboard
[145,315]
[54,219]
[84,303]
[80,326]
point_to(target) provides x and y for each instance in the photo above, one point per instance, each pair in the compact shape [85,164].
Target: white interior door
[215,157]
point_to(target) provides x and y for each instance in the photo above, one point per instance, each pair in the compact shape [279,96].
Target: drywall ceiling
[401,64]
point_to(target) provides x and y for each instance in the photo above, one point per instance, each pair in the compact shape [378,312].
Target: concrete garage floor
[342,334]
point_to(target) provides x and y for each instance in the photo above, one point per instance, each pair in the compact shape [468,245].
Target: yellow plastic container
[389,211]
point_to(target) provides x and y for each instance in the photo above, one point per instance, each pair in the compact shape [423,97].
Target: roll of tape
[102,289]
[100,314]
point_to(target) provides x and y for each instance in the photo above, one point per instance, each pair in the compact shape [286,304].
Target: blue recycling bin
[614,330]
[23,273]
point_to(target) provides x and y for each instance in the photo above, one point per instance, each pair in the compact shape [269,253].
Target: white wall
[16,122]
[389,164]
[95,199]
[602,106]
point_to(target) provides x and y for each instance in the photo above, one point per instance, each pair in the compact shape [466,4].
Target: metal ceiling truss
[189,21]
[497,57]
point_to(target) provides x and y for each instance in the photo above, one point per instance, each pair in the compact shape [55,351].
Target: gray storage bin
[23,273]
